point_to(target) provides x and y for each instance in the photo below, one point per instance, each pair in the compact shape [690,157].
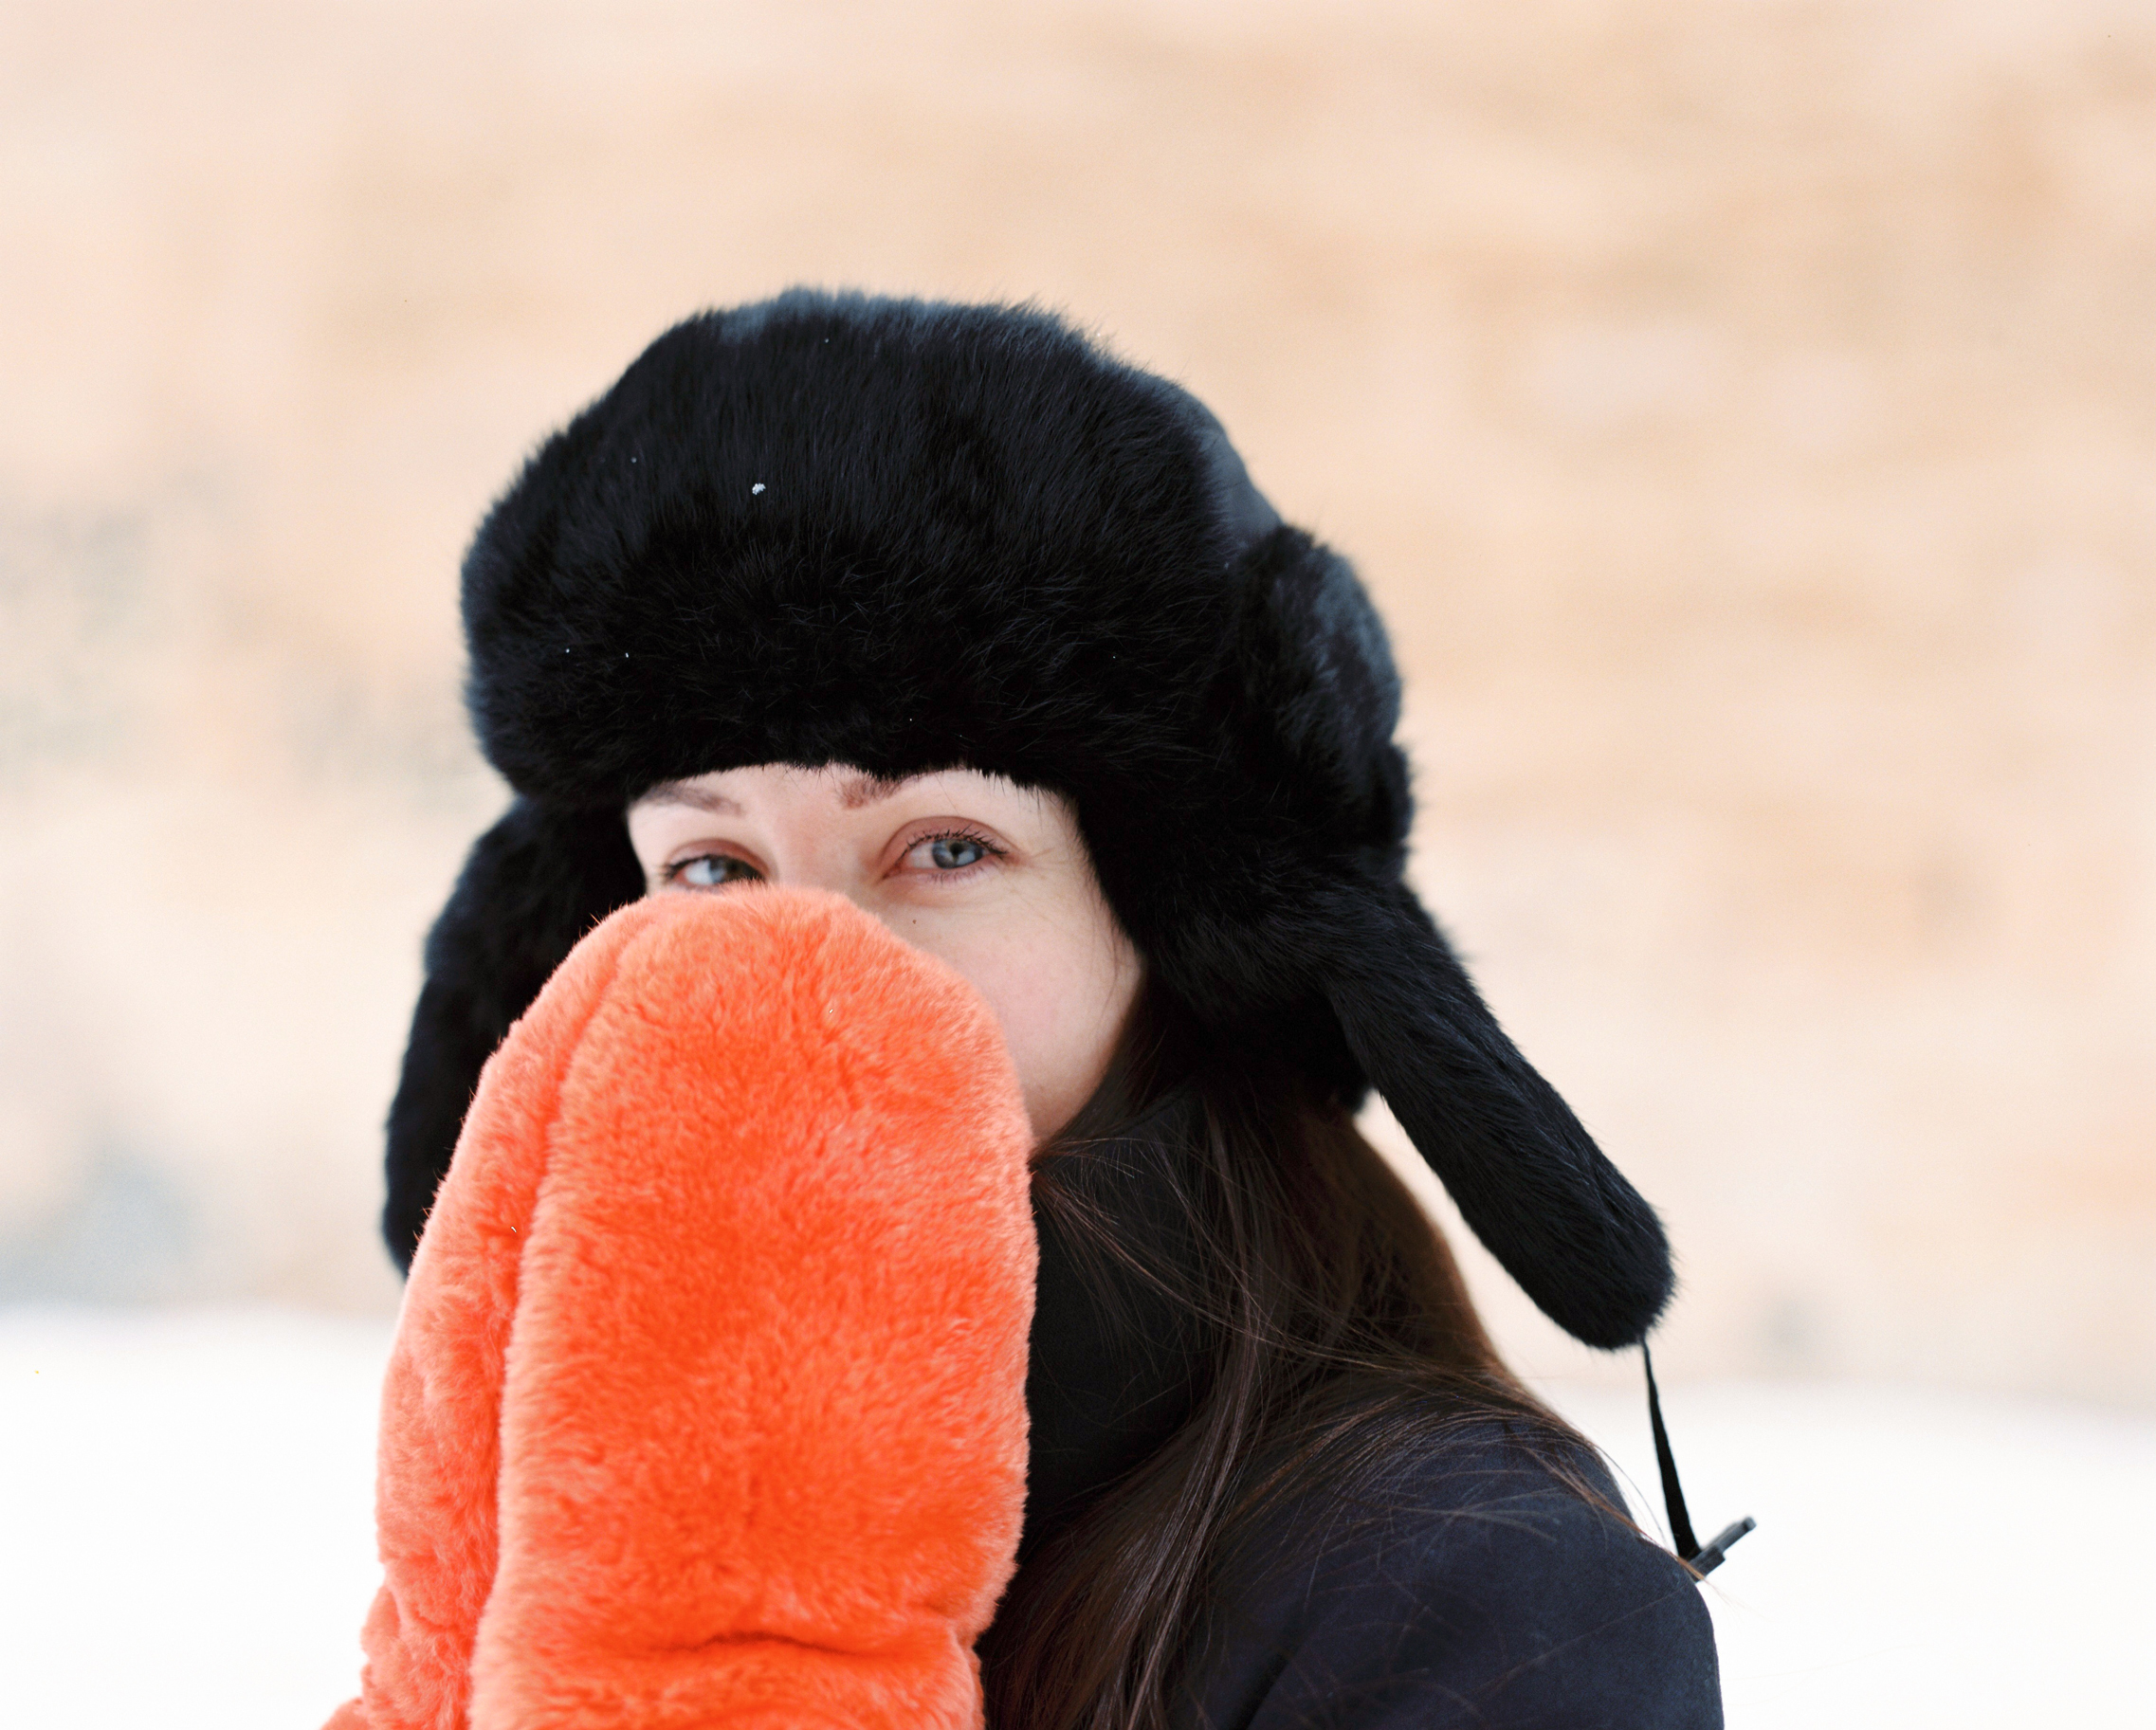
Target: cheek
[1034,1008]
[1060,1005]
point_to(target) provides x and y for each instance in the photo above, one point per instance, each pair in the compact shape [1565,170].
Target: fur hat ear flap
[533,886]
[1526,1176]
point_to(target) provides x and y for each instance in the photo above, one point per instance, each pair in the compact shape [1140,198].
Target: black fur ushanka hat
[910,536]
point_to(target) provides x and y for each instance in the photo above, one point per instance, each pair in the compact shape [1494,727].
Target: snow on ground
[186,1533]
[1922,1557]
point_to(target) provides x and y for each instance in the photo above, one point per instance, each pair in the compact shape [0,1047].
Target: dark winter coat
[1468,1588]
[1482,1592]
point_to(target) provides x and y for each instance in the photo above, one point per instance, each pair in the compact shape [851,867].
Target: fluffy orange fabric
[707,1401]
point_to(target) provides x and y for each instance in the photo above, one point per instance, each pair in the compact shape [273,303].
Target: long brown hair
[1335,1338]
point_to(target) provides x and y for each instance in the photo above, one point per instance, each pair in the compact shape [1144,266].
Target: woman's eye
[955,852]
[712,872]
[952,853]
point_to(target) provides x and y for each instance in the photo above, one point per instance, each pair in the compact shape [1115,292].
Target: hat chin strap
[1702,1558]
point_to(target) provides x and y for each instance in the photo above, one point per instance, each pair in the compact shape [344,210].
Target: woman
[939,608]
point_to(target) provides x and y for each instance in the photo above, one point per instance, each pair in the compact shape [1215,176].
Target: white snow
[189,1528]
[1923,1557]
[186,1533]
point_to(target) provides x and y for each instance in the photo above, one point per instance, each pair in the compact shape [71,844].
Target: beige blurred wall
[1745,413]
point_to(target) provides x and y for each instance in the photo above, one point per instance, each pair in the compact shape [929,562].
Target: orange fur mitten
[707,1401]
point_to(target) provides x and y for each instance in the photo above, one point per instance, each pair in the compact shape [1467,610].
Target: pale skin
[989,877]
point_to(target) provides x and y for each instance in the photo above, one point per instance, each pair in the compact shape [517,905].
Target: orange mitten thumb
[707,1402]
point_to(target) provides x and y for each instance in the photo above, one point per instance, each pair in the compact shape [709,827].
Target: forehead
[736,791]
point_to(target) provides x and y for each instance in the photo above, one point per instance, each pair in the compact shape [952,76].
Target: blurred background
[1745,415]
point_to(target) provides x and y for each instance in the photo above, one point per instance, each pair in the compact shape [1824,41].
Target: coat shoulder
[1468,1586]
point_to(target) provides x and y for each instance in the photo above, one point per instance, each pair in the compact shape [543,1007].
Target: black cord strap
[1704,1558]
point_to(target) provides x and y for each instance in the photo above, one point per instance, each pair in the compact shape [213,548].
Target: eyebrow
[697,798]
[858,791]
[872,789]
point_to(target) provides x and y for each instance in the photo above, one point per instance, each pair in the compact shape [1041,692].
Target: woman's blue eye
[956,852]
[712,870]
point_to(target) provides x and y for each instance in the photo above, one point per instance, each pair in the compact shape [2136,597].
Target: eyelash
[674,872]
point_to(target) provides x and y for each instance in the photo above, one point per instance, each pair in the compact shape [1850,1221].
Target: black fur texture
[535,883]
[908,537]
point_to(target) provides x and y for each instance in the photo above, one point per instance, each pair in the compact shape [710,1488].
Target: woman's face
[989,878]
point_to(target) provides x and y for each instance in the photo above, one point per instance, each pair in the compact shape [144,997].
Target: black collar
[1118,1363]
